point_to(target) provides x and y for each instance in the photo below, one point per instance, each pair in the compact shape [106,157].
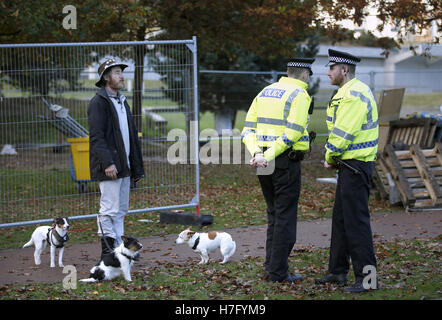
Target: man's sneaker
[291,278]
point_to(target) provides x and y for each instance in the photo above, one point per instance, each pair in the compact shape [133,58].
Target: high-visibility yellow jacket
[352,121]
[278,119]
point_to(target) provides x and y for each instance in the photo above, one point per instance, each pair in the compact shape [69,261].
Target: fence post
[372,80]
[274,76]
[196,110]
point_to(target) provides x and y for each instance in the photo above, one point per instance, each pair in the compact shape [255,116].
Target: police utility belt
[293,155]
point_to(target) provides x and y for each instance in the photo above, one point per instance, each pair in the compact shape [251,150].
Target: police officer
[275,133]
[352,121]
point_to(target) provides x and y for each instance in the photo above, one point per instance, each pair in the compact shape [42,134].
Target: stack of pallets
[415,173]
[407,132]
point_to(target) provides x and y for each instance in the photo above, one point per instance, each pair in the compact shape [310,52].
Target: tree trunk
[224,120]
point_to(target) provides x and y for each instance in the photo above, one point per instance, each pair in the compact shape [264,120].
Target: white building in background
[402,68]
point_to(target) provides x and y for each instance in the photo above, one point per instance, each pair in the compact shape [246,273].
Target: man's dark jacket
[106,146]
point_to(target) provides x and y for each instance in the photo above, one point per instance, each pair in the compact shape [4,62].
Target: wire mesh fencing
[45,90]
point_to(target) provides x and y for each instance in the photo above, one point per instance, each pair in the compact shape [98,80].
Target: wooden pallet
[417,174]
[413,131]
[384,182]
[380,178]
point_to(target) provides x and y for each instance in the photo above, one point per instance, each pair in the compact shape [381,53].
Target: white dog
[118,263]
[204,243]
[57,235]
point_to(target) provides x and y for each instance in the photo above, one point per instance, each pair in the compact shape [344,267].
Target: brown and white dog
[56,235]
[206,242]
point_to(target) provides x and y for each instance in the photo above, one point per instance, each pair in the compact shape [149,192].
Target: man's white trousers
[114,205]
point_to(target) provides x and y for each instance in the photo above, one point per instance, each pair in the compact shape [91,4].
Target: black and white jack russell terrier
[119,262]
[56,236]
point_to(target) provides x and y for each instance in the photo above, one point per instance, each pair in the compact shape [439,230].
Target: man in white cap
[115,152]
[352,121]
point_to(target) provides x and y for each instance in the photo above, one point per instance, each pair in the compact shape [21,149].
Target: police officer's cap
[337,57]
[109,63]
[301,63]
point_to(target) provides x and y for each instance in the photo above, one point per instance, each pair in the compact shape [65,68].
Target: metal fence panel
[45,92]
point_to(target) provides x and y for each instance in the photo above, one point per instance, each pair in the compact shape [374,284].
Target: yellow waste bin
[80,171]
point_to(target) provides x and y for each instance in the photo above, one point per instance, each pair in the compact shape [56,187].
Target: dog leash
[102,233]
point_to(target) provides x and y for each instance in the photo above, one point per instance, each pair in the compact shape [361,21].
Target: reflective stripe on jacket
[278,119]
[352,121]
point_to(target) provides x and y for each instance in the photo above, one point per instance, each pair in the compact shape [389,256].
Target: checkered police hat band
[299,65]
[342,60]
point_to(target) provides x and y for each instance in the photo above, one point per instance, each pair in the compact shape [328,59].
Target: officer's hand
[329,166]
[260,161]
[253,162]
[111,172]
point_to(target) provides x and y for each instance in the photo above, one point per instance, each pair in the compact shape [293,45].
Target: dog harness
[197,241]
[61,240]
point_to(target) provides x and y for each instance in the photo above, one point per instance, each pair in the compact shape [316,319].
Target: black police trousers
[281,191]
[351,231]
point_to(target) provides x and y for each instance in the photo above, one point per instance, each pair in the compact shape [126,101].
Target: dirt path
[17,265]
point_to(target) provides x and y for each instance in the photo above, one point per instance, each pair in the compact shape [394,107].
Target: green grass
[231,193]
[423,100]
[42,183]
[176,120]
[406,270]
[24,121]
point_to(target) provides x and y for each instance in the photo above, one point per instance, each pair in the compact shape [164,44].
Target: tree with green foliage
[226,42]
[232,35]
[256,35]
[40,21]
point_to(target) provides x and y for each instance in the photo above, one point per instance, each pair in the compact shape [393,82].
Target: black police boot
[358,287]
[295,277]
[107,252]
[340,279]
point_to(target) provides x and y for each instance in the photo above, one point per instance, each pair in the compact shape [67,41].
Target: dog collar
[197,241]
[127,256]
